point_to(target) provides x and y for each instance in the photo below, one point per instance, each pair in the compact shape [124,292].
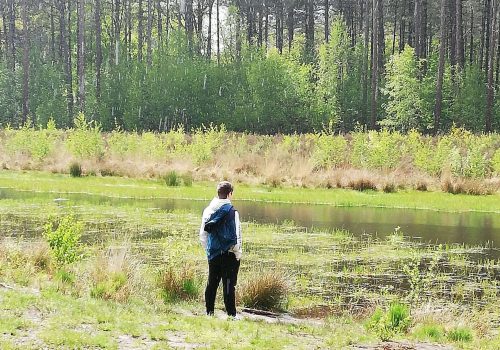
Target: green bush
[495,162]
[460,334]
[63,236]
[172,179]
[75,170]
[329,151]
[206,140]
[85,140]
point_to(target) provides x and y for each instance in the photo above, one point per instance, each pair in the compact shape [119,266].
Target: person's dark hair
[224,188]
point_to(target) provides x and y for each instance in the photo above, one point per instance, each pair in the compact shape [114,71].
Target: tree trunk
[52,33]
[487,37]
[81,54]
[366,59]
[439,85]
[459,36]
[26,62]
[190,24]
[11,35]
[209,33]
[159,23]
[266,25]
[140,31]
[218,33]
[327,20]
[402,27]
[149,34]
[290,23]
[395,27]
[375,62]
[279,26]
[98,47]
[491,87]
[417,23]
[471,45]
[309,44]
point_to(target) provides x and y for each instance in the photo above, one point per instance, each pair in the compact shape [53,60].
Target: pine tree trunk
[439,86]
[460,35]
[140,31]
[209,33]
[52,33]
[492,44]
[471,44]
[218,33]
[11,34]
[81,54]
[26,62]
[159,23]
[395,25]
[375,62]
[149,34]
[290,23]
[327,20]
[98,47]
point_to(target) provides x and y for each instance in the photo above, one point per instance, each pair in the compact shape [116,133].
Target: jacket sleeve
[237,249]
[203,233]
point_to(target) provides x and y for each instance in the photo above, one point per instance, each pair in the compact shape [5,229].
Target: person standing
[220,236]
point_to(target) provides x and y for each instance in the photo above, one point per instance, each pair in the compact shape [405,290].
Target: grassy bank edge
[119,187]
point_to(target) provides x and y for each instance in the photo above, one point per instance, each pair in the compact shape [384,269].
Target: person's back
[220,235]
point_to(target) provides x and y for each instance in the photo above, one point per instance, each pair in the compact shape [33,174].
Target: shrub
[181,284]
[107,172]
[63,236]
[329,151]
[460,334]
[267,291]
[389,187]
[421,186]
[470,187]
[85,140]
[75,170]
[362,184]
[495,162]
[172,178]
[187,179]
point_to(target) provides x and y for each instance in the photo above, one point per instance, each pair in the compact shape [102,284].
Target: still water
[427,226]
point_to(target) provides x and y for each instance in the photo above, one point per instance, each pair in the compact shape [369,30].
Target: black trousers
[224,267]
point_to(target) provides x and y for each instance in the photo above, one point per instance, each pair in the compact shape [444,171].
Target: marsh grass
[429,331]
[172,179]
[267,290]
[180,283]
[460,334]
[114,275]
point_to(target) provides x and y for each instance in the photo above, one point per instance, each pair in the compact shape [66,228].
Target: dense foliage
[156,66]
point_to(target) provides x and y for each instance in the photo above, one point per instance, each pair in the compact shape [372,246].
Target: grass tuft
[172,179]
[267,291]
[389,187]
[75,170]
[460,334]
[362,184]
[181,284]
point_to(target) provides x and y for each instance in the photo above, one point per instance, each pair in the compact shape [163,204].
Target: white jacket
[215,204]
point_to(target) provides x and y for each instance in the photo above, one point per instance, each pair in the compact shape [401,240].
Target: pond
[434,227]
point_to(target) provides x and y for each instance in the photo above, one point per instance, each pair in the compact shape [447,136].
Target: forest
[268,66]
